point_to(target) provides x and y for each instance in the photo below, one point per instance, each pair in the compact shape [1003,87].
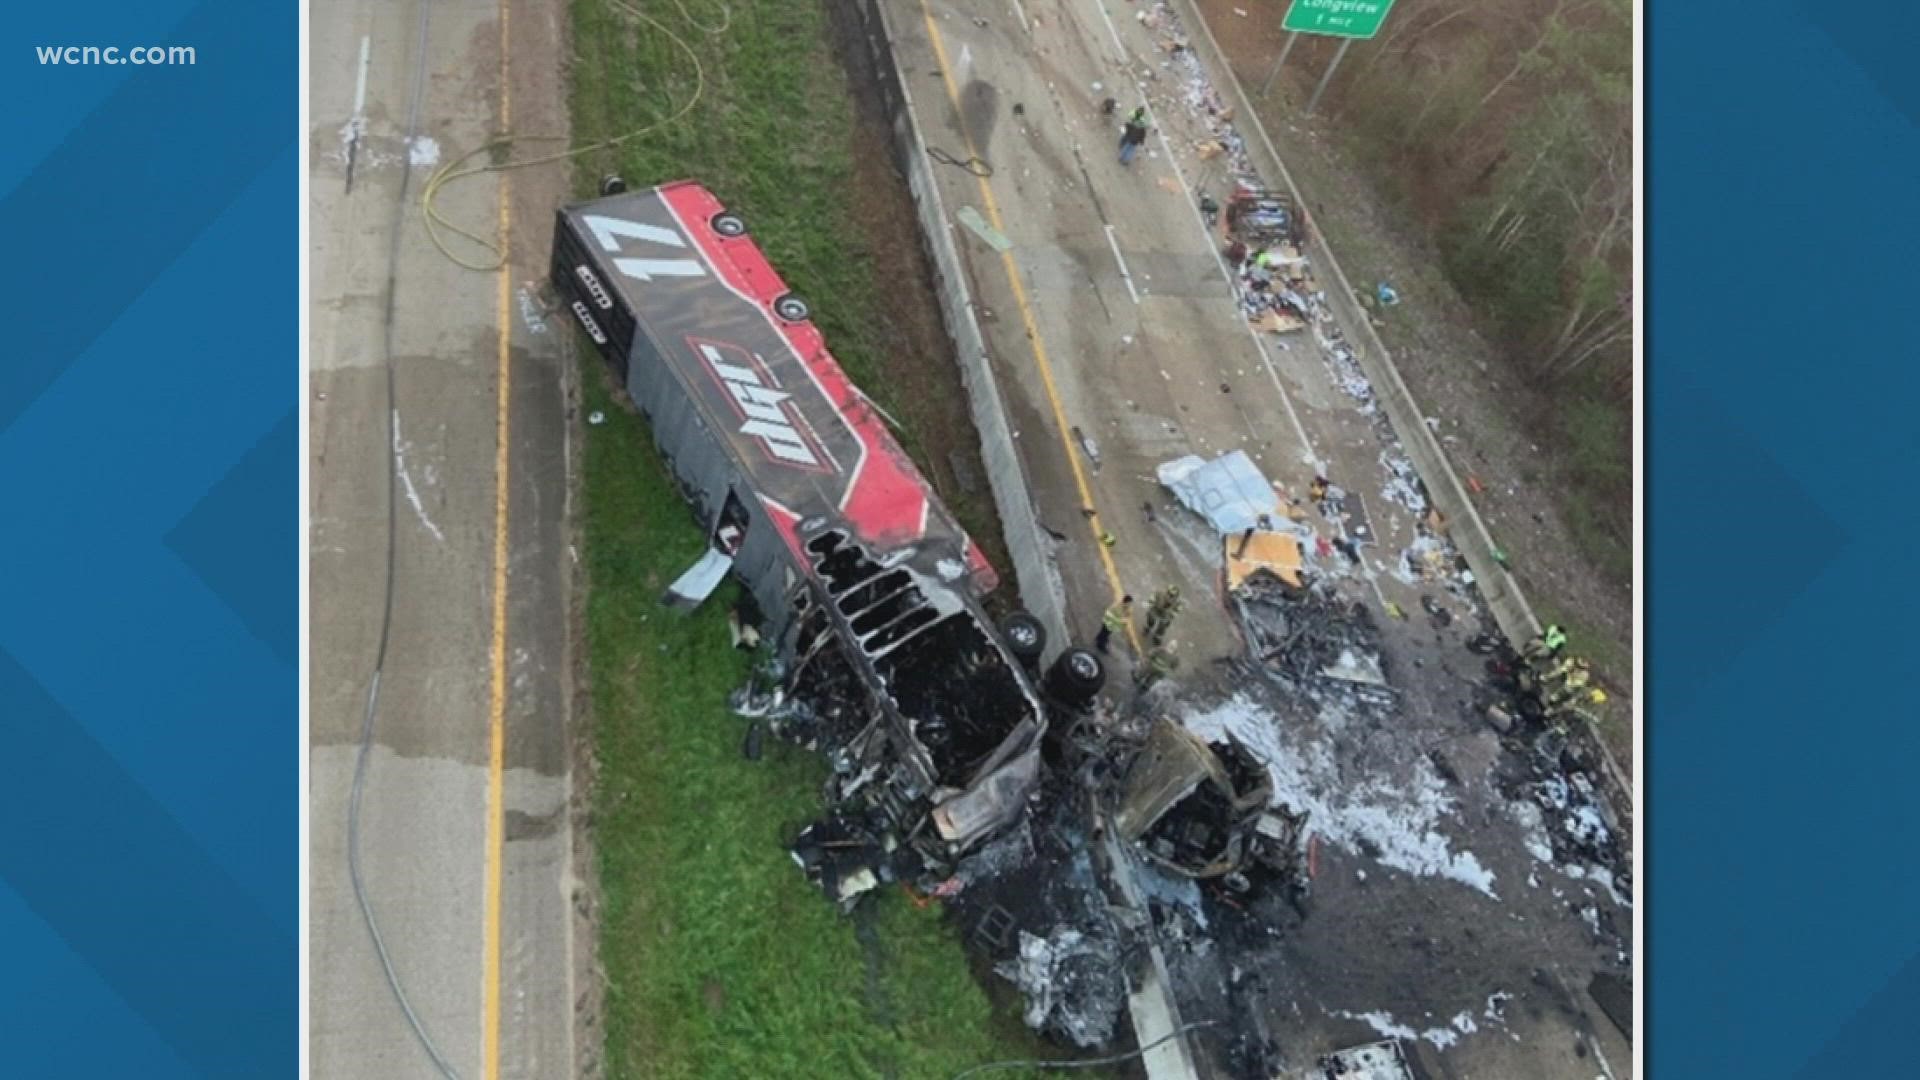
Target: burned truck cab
[868,589]
[922,710]
[1205,810]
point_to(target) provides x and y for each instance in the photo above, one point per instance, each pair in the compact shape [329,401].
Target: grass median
[720,959]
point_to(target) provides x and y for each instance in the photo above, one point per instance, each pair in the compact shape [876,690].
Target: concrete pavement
[1146,351]
[466,841]
[1111,321]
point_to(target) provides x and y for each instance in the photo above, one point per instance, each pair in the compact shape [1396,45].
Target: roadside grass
[720,959]
[1599,440]
[1610,658]
[771,134]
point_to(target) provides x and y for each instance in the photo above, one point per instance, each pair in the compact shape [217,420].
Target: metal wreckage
[962,768]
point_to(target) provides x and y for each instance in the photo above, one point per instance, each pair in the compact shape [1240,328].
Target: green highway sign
[1337,18]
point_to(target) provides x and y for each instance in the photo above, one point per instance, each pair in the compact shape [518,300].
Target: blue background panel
[1784,888]
[148,610]
[149,629]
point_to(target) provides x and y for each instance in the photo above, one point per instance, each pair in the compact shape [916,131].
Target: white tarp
[1228,491]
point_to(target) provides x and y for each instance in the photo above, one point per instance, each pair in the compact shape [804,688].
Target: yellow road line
[1038,346]
[497,698]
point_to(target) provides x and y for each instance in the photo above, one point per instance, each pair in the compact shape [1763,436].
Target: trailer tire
[1076,677]
[1026,638]
[1083,669]
[612,184]
[728,225]
[792,308]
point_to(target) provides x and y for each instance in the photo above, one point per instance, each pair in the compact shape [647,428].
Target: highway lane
[466,841]
[1111,320]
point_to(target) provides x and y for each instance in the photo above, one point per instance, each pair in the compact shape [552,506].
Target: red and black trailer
[868,587]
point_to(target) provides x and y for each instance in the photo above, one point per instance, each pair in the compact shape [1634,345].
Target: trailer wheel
[1076,677]
[1025,637]
[1085,670]
[612,184]
[729,225]
[792,308]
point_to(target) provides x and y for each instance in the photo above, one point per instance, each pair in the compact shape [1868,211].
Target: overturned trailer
[869,590]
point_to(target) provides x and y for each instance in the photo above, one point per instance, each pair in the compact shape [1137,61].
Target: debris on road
[977,225]
[1383,1060]
[1303,634]
[1072,985]
[1200,809]
[1392,815]
[1275,553]
[965,770]
[1089,447]
[1229,491]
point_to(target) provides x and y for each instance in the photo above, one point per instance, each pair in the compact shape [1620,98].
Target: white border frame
[306,396]
[1639,643]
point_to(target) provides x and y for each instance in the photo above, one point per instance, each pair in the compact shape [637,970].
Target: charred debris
[965,771]
[1069,838]
[961,767]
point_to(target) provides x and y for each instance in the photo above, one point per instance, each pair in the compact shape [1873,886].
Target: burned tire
[792,308]
[729,225]
[1076,677]
[1026,639]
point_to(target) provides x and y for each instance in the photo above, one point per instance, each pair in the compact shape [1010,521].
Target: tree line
[1508,126]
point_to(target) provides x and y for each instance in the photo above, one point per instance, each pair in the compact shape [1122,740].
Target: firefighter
[1115,620]
[1574,706]
[1161,662]
[1551,672]
[1160,613]
[1572,687]
[1549,642]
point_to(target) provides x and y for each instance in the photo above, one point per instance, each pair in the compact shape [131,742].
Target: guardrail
[1041,590]
[1155,1014]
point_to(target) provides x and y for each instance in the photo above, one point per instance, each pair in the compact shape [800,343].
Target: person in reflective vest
[1161,662]
[1115,620]
[1572,687]
[1160,613]
[1131,139]
[1550,641]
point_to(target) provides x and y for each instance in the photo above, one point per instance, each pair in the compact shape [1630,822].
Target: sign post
[1350,20]
[1267,87]
[1340,54]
